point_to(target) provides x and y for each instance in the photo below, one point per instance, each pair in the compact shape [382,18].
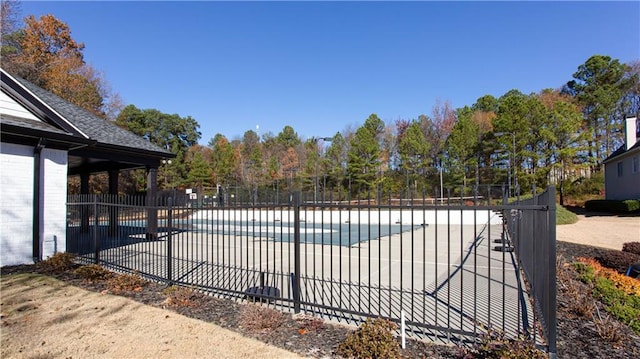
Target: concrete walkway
[604,231]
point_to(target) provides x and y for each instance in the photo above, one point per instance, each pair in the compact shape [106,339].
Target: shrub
[180,297]
[93,272]
[612,206]
[627,284]
[586,186]
[58,262]
[618,260]
[257,318]
[632,204]
[587,272]
[494,344]
[126,283]
[607,328]
[581,304]
[373,339]
[631,247]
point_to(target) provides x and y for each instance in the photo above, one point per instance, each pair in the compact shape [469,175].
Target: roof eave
[62,140]
[612,158]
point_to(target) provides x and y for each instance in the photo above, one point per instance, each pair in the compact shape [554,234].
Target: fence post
[296,251]
[551,274]
[170,241]
[96,223]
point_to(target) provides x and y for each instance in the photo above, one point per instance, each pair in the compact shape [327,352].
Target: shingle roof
[104,132]
[31,124]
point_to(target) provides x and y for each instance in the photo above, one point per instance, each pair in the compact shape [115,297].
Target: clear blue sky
[323,66]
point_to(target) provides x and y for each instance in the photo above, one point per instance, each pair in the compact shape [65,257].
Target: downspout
[37,186]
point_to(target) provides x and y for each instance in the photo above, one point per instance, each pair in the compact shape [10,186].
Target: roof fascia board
[104,167]
[98,152]
[33,103]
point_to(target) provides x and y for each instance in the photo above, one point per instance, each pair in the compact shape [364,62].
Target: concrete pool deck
[439,275]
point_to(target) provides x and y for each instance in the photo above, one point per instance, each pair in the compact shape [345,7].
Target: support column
[84,210]
[113,210]
[151,202]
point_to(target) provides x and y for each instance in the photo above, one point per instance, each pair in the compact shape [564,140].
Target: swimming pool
[329,227]
[317,233]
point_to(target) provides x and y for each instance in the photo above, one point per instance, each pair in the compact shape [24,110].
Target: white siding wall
[16,204]
[10,107]
[53,200]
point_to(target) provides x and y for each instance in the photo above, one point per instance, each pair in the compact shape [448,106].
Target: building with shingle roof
[44,139]
[622,167]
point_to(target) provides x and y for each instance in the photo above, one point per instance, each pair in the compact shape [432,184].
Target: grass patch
[564,216]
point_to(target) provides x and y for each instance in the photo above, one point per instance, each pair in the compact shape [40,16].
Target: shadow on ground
[582,211]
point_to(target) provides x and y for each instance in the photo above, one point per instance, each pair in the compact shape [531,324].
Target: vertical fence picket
[96,230]
[296,243]
[170,242]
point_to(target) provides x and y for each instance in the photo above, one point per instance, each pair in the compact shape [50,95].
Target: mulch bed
[577,336]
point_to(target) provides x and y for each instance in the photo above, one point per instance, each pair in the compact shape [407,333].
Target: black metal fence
[533,234]
[447,266]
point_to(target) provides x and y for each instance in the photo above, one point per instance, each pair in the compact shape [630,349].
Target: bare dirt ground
[604,231]
[43,317]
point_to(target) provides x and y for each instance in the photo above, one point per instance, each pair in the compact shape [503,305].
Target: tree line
[554,136]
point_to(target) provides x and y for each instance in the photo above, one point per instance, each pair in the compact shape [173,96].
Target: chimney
[630,133]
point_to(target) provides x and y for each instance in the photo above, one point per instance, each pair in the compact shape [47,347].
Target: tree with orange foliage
[48,56]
